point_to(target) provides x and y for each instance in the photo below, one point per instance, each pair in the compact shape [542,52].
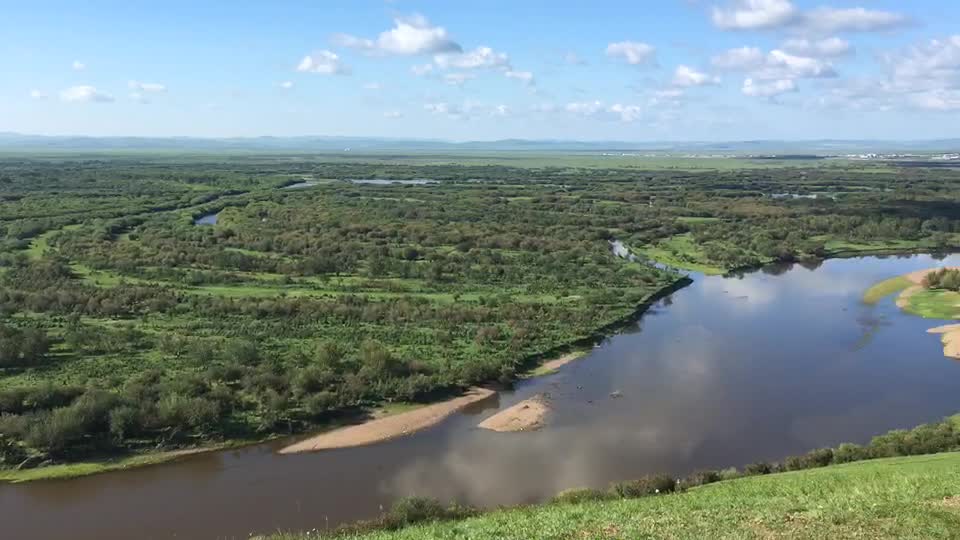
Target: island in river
[914,296]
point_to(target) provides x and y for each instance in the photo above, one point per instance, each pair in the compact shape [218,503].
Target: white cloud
[410,36]
[525,77]
[37,94]
[584,108]
[741,59]
[627,113]
[78,65]
[936,100]
[774,65]
[831,20]
[685,76]
[501,110]
[422,69]
[144,87]
[930,66]
[481,57]
[632,52]
[286,85]
[323,62]
[774,14]
[818,48]
[754,14]
[458,79]
[768,89]
[85,94]
[393,115]
[372,86]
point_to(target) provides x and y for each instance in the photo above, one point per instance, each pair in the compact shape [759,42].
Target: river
[725,372]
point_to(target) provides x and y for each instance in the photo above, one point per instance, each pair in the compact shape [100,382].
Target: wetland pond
[725,372]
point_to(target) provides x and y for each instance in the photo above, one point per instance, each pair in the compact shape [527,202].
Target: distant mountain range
[17,141]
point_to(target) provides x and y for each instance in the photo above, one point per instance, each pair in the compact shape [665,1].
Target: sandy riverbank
[389,427]
[950,336]
[552,366]
[527,415]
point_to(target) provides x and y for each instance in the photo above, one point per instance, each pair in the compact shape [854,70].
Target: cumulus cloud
[754,14]
[632,52]
[413,35]
[818,48]
[323,62]
[831,20]
[525,77]
[78,65]
[481,57]
[84,94]
[776,14]
[776,64]
[584,108]
[627,113]
[927,74]
[685,76]
[501,110]
[768,89]
[597,109]
[38,94]
[146,87]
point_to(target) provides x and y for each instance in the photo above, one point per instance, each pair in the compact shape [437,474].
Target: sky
[641,70]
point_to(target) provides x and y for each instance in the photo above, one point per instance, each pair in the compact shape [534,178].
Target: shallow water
[725,372]
[207,219]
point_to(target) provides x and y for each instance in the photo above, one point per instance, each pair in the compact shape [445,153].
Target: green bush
[701,478]
[580,495]
[642,487]
[758,468]
[848,453]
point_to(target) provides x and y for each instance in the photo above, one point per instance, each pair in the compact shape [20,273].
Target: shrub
[848,453]
[581,495]
[758,468]
[412,510]
[648,485]
[701,478]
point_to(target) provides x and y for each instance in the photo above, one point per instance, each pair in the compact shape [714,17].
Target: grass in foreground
[885,288]
[907,497]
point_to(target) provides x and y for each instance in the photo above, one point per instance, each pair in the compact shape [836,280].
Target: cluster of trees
[424,288]
[22,347]
[944,278]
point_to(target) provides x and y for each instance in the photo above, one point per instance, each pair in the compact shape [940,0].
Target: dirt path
[527,415]
[389,427]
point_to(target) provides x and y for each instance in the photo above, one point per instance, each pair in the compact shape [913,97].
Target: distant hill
[17,141]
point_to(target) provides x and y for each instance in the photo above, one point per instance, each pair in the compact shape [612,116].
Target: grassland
[934,304]
[908,497]
[885,288]
[681,252]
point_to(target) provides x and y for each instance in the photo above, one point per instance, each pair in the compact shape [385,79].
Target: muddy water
[725,372]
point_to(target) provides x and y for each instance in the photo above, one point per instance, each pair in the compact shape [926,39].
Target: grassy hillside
[906,497]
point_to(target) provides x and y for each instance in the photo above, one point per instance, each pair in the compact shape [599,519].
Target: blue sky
[602,70]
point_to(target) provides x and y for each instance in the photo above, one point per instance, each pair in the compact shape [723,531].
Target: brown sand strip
[527,415]
[555,364]
[903,301]
[917,277]
[389,427]
[950,336]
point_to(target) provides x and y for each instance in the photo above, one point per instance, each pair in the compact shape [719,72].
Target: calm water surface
[207,219]
[725,372]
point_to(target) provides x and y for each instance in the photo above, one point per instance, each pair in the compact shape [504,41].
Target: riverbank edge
[551,359]
[835,501]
